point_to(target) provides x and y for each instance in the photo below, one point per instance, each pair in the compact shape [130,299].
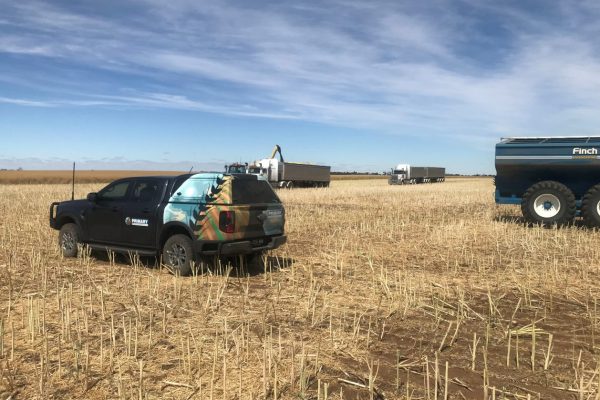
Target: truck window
[114,191]
[147,191]
[249,191]
[177,184]
[255,170]
[236,169]
[194,190]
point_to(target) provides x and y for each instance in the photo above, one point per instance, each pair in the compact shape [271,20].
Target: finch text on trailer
[580,151]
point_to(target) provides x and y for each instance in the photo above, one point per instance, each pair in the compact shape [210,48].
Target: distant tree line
[356,173]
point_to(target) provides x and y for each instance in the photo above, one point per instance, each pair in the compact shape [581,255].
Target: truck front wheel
[548,203]
[68,238]
[178,254]
[590,207]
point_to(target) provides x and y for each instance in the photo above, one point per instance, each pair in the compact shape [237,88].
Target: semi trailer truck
[284,174]
[553,179]
[408,174]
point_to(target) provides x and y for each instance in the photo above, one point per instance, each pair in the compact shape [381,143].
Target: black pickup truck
[178,217]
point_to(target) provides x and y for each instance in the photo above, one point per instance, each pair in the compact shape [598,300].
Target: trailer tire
[548,203]
[590,207]
[289,185]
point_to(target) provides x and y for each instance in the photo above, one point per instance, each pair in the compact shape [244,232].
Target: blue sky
[359,85]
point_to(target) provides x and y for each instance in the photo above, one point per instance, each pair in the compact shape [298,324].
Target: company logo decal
[136,222]
[592,151]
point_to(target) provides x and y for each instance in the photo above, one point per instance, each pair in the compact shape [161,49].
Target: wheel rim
[68,241]
[598,208]
[547,205]
[177,256]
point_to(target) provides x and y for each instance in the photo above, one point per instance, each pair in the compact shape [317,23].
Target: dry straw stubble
[382,292]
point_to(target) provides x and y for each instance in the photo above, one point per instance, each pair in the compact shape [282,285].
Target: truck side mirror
[92,197]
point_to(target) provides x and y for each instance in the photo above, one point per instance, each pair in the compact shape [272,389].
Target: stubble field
[92,176]
[420,292]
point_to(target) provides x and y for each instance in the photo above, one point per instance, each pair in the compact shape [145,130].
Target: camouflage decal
[206,217]
[200,200]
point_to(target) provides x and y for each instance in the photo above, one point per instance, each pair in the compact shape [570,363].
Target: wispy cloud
[468,67]
[24,102]
[112,163]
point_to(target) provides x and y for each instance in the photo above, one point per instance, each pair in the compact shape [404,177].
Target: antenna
[191,170]
[73,184]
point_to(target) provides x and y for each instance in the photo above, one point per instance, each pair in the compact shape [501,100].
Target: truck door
[103,220]
[140,213]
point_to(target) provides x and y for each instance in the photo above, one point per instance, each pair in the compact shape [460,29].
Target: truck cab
[179,218]
[400,175]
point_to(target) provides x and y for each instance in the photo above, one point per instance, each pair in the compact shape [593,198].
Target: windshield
[399,171]
[254,170]
[237,169]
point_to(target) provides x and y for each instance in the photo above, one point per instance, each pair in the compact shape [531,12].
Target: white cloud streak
[113,163]
[389,66]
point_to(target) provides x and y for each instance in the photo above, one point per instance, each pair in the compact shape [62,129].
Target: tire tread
[187,242]
[588,210]
[74,230]
[550,186]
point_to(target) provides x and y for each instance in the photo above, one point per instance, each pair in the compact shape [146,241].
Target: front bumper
[53,214]
[239,247]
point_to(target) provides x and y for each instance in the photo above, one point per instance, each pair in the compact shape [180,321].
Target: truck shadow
[241,267]
[518,220]
[234,266]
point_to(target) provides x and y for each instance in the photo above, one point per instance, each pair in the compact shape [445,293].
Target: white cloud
[112,163]
[25,102]
[387,67]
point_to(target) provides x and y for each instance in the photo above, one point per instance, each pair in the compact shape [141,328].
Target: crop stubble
[424,291]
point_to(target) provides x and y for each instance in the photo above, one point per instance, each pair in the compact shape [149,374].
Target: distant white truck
[407,174]
[284,174]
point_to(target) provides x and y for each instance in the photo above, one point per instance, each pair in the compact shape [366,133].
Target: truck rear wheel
[178,254]
[548,203]
[590,207]
[68,238]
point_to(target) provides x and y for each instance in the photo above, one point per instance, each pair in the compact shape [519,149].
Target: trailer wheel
[590,207]
[548,203]
[289,185]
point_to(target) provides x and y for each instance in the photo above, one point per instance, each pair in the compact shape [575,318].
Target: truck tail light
[227,221]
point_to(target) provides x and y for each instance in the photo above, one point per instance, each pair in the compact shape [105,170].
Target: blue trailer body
[522,162]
